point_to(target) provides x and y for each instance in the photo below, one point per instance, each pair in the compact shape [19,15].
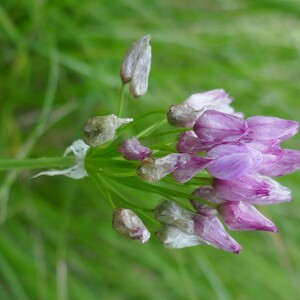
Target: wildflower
[244,216]
[132,149]
[186,114]
[136,66]
[101,129]
[183,228]
[79,149]
[128,224]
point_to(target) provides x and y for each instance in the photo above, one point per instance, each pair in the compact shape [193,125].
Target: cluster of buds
[241,155]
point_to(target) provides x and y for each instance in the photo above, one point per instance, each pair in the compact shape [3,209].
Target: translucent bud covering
[136,66]
[128,224]
[101,129]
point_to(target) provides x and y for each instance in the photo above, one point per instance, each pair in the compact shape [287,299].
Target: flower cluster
[242,156]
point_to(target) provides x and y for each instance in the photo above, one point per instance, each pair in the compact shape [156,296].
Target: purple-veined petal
[246,188]
[270,128]
[244,216]
[217,127]
[132,149]
[288,162]
[233,161]
[213,233]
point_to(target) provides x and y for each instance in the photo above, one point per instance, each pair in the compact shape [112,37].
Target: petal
[244,216]
[216,127]
[268,128]
[233,161]
[206,193]
[246,188]
[213,233]
[286,164]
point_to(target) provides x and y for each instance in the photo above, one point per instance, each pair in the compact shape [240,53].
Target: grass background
[59,65]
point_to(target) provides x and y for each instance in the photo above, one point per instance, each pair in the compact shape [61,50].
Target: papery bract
[244,216]
[132,149]
[79,149]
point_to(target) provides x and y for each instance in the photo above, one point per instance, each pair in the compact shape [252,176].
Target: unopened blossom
[79,149]
[254,189]
[233,160]
[184,166]
[186,114]
[101,129]
[132,149]
[174,238]
[170,213]
[211,230]
[182,228]
[244,216]
[136,66]
[213,128]
[128,224]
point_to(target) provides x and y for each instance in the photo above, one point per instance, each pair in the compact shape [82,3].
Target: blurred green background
[62,59]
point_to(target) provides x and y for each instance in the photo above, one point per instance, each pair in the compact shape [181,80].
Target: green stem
[36,163]
[121,99]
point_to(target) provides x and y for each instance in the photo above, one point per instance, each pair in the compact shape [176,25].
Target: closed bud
[136,66]
[128,224]
[132,149]
[101,129]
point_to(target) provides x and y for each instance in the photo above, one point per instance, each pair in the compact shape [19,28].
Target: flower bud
[170,213]
[136,66]
[244,216]
[128,224]
[132,149]
[101,129]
